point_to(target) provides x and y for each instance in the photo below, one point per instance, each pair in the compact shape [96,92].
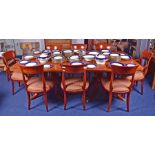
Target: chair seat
[74,84]
[36,85]
[139,75]
[16,76]
[120,86]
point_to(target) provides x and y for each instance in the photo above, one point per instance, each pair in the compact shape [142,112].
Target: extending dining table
[57,67]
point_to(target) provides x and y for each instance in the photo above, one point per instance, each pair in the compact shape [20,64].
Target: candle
[82,47]
[55,47]
[75,47]
[101,46]
[108,47]
[48,47]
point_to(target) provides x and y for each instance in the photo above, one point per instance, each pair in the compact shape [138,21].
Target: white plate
[89,56]
[24,62]
[56,53]
[125,57]
[1,54]
[47,66]
[105,51]
[130,65]
[31,64]
[76,63]
[91,66]
[122,54]
[116,64]
[57,57]
[74,57]
[94,53]
[67,51]
[43,55]
[37,52]
[28,57]
[101,56]
[115,55]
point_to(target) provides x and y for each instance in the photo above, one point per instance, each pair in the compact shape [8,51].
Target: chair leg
[45,101]
[84,100]
[142,86]
[136,83]
[29,100]
[128,102]
[19,83]
[109,102]
[12,87]
[65,100]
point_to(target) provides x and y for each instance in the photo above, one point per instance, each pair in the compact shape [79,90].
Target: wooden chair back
[33,71]
[79,46]
[9,58]
[145,60]
[120,72]
[78,69]
[147,55]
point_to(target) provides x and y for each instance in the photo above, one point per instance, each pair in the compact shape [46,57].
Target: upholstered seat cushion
[119,85]
[74,84]
[139,75]
[36,85]
[17,76]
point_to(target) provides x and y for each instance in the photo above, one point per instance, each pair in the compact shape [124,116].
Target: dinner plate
[116,64]
[57,52]
[37,52]
[93,53]
[130,65]
[1,54]
[28,57]
[23,62]
[122,54]
[91,66]
[105,51]
[125,57]
[74,57]
[58,57]
[114,54]
[100,56]
[31,64]
[67,51]
[43,55]
[88,57]
[47,66]
[76,63]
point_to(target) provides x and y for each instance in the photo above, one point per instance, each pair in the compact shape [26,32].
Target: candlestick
[101,46]
[75,47]
[48,47]
[108,47]
[55,47]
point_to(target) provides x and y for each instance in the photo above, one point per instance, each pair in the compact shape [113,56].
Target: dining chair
[54,47]
[9,59]
[79,46]
[102,46]
[117,84]
[35,83]
[72,85]
[141,75]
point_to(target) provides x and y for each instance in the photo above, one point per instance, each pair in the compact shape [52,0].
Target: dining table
[57,67]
